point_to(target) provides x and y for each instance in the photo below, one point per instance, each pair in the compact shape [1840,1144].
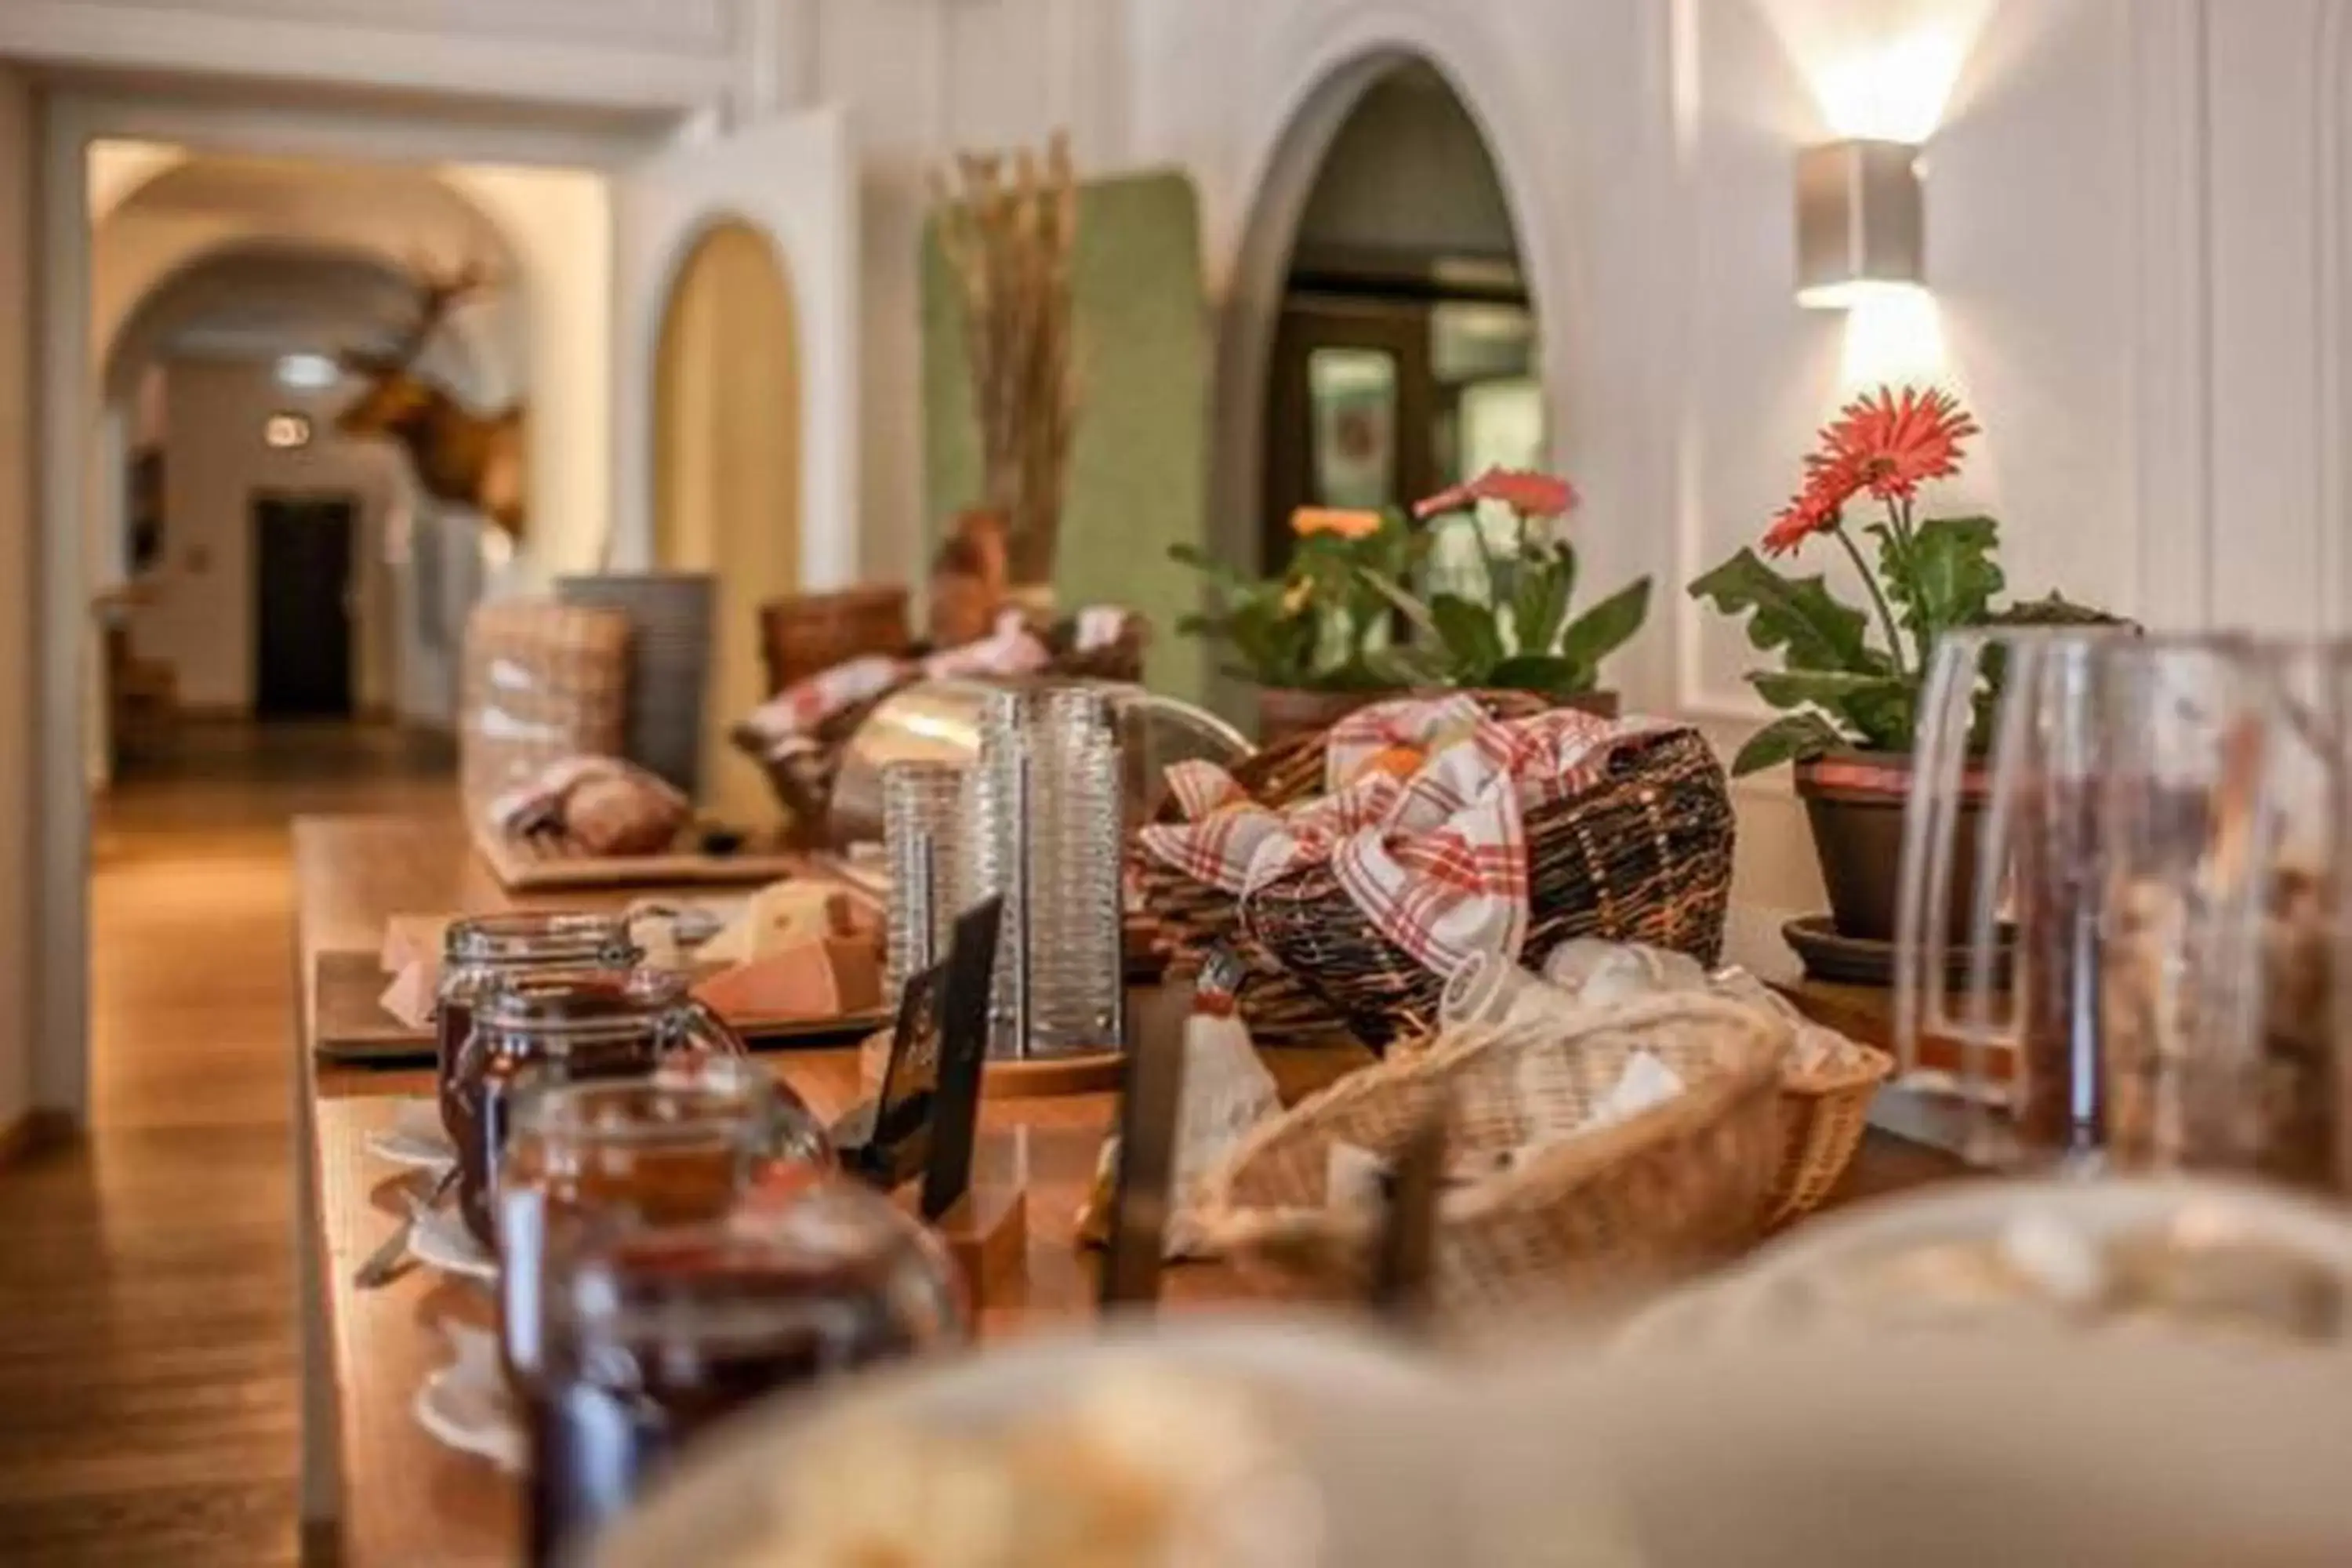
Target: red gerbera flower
[1531,495]
[1896,443]
[1830,481]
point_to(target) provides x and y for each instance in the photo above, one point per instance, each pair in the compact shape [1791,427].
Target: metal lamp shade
[1859,221]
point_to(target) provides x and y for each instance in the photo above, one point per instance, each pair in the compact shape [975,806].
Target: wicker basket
[1824,1110]
[1591,1216]
[1196,917]
[1644,854]
[804,779]
[810,633]
[538,682]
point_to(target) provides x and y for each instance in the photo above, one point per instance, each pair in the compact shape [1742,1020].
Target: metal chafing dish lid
[938,720]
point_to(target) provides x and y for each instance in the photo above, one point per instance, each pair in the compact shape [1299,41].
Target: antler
[436,292]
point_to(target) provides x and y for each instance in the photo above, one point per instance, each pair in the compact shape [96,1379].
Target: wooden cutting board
[352,1026]
[542,864]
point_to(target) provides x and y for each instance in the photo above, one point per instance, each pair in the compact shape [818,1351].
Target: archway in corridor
[1405,351]
[726,472]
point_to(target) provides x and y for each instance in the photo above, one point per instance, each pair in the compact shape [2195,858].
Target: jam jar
[653,1334]
[572,1023]
[479,951]
[686,1142]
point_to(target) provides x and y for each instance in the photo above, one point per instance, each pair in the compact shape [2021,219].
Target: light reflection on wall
[1894,90]
[1895,87]
[1893,333]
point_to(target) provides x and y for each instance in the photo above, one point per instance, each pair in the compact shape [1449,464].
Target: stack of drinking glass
[1042,827]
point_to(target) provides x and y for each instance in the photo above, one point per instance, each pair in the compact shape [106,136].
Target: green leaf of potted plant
[1307,638]
[1849,681]
[1501,620]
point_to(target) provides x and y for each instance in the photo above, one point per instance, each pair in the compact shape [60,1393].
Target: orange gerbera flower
[1530,494]
[1830,483]
[1896,443]
[1312,520]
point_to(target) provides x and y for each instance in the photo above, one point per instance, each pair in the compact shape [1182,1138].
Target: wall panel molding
[618,56]
[2172,425]
[665,27]
[2332,131]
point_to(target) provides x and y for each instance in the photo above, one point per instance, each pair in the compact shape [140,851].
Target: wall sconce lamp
[1859,229]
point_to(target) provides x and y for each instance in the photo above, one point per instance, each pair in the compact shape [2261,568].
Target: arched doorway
[726,472]
[1405,351]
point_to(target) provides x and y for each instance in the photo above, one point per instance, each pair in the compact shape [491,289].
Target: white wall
[19,968]
[920,82]
[559,225]
[201,616]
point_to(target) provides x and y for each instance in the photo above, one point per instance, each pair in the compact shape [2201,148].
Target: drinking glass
[2098,970]
[1074,933]
[684,1142]
[480,950]
[655,1332]
[1043,828]
[1996,927]
[2198,759]
[922,815]
[579,1024]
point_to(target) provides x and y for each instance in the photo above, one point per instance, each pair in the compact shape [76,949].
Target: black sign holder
[963,1056]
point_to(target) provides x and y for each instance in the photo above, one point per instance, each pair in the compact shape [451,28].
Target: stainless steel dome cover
[938,720]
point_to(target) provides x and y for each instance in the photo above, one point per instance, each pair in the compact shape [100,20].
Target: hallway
[149,1392]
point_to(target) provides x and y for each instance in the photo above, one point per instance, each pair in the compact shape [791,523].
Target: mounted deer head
[472,459]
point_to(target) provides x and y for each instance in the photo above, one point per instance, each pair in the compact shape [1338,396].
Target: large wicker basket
[1196,917]
[1589,1218]
[538,682]
[808,633]
[1644,854]
[1824,1110]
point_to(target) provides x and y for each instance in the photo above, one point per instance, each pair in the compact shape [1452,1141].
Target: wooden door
[1351,410]
[302,550]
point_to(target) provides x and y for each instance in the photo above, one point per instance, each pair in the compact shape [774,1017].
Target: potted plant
[1849,681]
[1496,618]
[1306,638]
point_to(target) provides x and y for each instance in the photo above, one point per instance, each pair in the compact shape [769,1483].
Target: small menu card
[961,1055]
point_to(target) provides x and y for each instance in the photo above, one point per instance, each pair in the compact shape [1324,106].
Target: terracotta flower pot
[1854,801]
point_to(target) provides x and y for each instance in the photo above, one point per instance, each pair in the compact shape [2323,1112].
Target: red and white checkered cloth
[785,722]
[1427,725]
[1438,864]
[1239,846]
[1011,649]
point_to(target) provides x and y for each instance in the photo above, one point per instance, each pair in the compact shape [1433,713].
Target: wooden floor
[148,1366]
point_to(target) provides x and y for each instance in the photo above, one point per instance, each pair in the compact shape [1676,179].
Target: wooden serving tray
[352,1026]
[545,863]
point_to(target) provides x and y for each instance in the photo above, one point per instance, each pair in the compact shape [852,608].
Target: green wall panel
[1140,459]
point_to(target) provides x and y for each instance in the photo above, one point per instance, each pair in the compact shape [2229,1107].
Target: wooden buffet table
[376,1489]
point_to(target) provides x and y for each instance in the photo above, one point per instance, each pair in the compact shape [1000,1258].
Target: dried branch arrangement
[1008,225]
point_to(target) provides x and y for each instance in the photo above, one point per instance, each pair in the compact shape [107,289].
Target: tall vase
[669,663]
